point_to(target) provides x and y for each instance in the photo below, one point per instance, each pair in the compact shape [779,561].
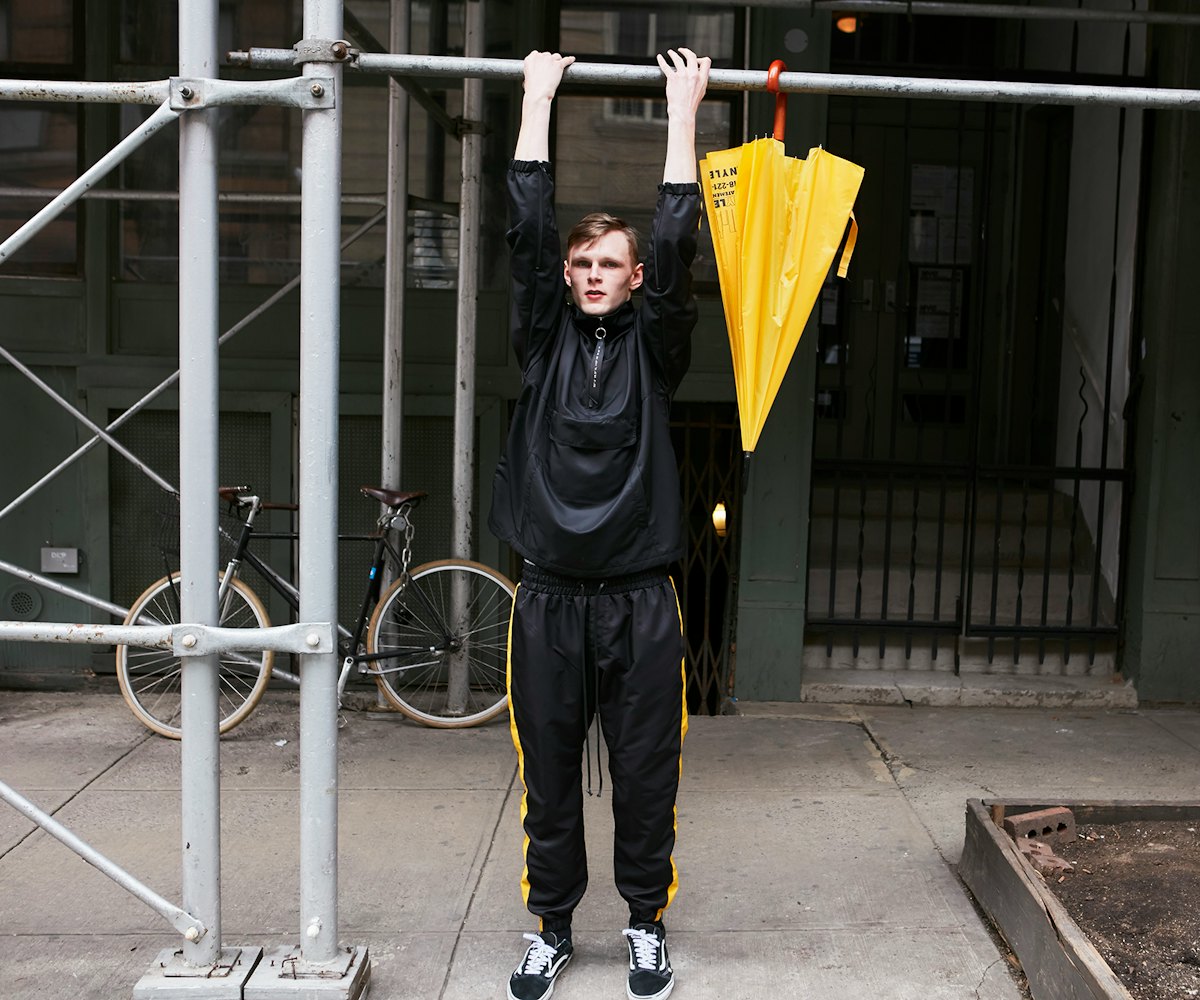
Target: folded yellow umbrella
[776,224]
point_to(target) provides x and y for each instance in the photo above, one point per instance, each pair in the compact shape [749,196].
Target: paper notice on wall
[940,214]
[939,302]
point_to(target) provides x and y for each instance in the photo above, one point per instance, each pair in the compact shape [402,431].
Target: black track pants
[575,645]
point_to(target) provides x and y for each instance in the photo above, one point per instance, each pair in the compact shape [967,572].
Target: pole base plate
[284,975]
[170,978]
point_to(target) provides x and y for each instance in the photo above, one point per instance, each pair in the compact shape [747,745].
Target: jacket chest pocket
[591,461]
[593,435]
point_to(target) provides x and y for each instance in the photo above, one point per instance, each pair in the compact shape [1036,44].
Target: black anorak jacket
[588,486]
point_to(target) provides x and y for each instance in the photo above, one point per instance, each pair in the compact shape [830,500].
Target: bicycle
[435,640]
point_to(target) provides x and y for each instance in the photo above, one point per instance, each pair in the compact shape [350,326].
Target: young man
[588,494]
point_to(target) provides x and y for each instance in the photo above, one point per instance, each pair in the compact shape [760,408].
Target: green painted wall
[774,533]
[1163,611]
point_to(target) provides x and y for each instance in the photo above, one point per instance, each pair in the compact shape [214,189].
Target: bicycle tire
[412,618]
[150,678]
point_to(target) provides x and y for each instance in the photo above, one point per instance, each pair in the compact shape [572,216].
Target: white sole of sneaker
[660,995]
[550,992]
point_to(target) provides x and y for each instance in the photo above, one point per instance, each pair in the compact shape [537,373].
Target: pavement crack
[78,792]
[983,977]
[487,850]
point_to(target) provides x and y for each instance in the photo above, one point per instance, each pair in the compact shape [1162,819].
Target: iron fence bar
[997,511]
[1046,556]
[162,117]
[835,624]
[1021,564]
[189,926]
[948,628]
[1066,632]
[84,419]
[881,467]
[1108,367]
[1003,91]
[162,387]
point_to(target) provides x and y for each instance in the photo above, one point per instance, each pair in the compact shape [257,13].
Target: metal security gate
[969,488]
[709,452]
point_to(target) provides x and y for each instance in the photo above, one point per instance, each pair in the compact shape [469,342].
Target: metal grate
[708,450]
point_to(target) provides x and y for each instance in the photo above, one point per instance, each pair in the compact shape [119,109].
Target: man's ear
[636,279]
[567,273]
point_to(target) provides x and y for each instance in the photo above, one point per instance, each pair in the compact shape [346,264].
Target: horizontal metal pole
[181,93]
[162,117]
[62,588]
[940,8]
[737,79]
[184,922]
[182,639]
[86,92]
[227,197]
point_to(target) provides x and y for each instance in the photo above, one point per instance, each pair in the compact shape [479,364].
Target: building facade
[981,459]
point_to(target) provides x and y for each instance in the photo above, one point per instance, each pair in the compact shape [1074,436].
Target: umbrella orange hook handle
[773,71]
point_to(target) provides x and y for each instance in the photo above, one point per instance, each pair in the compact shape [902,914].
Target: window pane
[636,35]
[612,162]
[37,31]
[37,149]
[149,34]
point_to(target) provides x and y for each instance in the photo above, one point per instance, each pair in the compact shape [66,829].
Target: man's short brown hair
[591,227]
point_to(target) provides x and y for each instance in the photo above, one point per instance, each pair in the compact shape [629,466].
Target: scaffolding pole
[396,264]
[1005,92]
[318,967]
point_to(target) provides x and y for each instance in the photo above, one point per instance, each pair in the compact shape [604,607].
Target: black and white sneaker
[650,975]
[545,958]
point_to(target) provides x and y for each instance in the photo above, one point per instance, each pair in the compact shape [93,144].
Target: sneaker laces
[538,957]
[645,948]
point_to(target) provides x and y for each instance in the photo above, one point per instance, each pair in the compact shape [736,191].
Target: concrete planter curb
[1059,961]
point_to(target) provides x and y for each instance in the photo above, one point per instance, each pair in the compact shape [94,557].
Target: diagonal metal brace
[309,93]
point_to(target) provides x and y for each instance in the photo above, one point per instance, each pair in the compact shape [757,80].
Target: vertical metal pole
[464,365]
[320,262]
[468,293]
[201,779]
[396,272]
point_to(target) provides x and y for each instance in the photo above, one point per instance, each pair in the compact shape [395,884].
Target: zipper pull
[595,389]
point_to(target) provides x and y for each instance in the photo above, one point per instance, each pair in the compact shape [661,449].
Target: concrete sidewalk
[816,846]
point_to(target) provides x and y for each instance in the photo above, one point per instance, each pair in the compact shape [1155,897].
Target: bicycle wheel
[150,679]
[446,632]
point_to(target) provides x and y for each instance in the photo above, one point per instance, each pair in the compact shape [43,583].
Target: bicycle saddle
[393,498]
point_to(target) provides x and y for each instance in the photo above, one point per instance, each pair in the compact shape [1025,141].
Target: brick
[1051,826]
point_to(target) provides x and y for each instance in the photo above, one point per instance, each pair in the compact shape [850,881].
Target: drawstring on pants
[594,656]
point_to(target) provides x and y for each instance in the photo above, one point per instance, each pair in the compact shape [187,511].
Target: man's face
[602,274]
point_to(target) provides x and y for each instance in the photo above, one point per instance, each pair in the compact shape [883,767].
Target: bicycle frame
[351,640]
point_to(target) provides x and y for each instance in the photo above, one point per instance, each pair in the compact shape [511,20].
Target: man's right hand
[543,74]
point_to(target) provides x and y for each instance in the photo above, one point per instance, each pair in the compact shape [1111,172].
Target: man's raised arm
[687,80]
[543,74]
